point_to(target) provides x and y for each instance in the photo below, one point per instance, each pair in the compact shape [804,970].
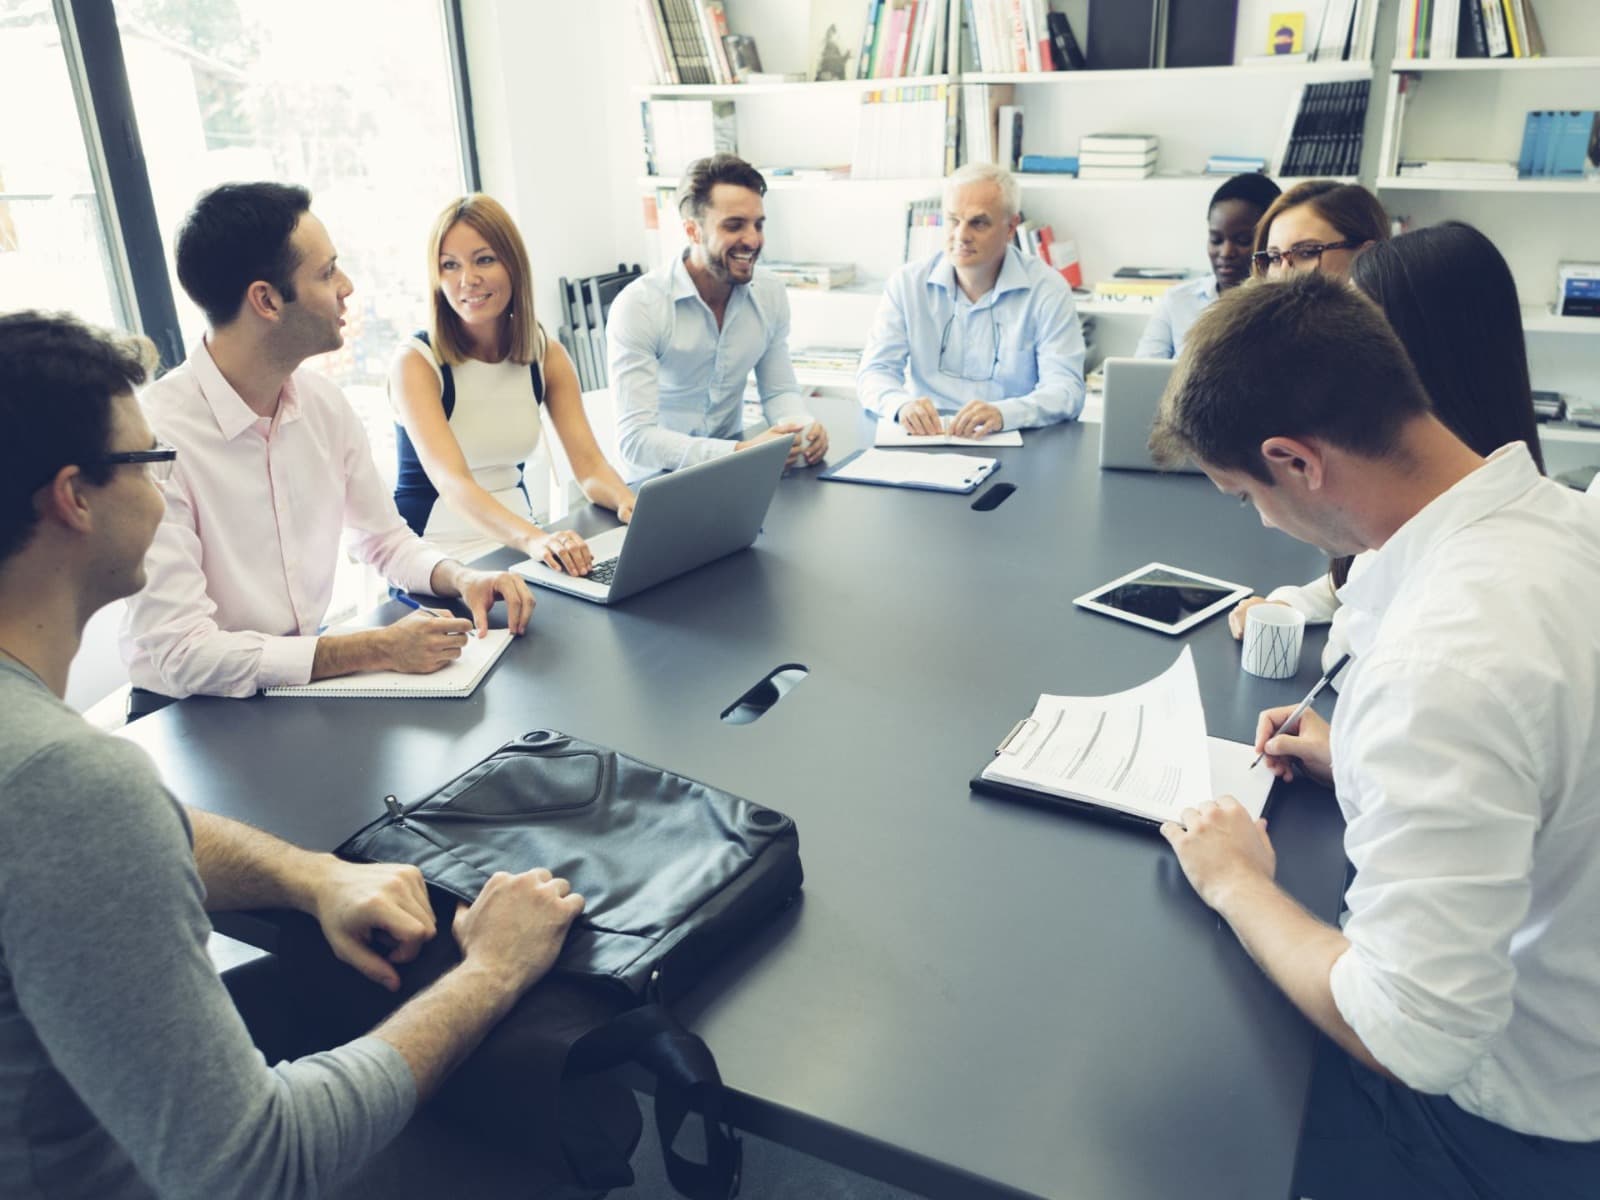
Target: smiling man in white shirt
[683,340]
[1463,987]
[273,466]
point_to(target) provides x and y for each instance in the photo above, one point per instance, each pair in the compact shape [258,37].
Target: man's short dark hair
[1304,356]
[57,378]
[694,191]
[234,235]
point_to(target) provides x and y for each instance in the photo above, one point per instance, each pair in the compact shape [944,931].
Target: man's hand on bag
[355,901]
[516,926]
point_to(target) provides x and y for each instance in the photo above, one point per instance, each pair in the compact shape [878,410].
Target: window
[54,253]
[353,99]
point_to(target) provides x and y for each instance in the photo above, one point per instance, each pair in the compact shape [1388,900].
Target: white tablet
[1166,598]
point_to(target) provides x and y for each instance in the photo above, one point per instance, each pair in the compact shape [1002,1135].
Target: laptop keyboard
[603,572]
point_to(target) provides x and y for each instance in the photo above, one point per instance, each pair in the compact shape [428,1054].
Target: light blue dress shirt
[1019,346]
[679,381]
[1175,312]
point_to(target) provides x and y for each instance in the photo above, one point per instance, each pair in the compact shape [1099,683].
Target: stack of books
[1050,164]
[1235,164]
[1117,155]
[906,133]
[676,132]
[1578,289]
[924,229]
[1440,29]
[844,359]
[813,276]
[1323,134]
[1456,168]
[1560,145]
[1138,287]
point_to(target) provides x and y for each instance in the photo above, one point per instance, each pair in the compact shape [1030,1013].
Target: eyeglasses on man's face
[1306,254]
[157,461]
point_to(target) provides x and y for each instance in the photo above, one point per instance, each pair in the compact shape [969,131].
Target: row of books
[1560,145]
[1324,135]
[924,229]
[688,40]
[843,359]
[676,132]
[584,305]
[1034,240]
[1344,34]
[1022,36]
[1443,29]
[900,38]
[1578,289]
[906,133]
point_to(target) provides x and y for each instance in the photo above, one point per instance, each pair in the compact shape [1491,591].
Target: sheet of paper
[952,471]
[892,433]
[1143,750]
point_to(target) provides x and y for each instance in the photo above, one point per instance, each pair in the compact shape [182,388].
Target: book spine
[718,17]
[864,59]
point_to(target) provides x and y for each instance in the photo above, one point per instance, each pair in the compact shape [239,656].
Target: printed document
[1143,751]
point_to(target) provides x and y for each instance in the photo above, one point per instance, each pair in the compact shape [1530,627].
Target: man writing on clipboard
[1461,989]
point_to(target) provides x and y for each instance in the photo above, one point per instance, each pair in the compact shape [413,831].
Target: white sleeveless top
[495,421]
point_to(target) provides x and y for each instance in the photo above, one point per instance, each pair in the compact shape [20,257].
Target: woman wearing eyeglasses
[1450,299]
[1231,218]
[1318,225]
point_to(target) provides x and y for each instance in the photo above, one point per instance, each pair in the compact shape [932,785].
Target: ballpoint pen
[1300,709]
[412,602]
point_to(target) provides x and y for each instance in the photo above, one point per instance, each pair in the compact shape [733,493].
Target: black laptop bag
[674,873]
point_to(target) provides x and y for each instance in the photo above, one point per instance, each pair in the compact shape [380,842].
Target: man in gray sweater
[125,1070]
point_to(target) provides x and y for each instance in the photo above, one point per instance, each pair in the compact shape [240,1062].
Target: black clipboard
[968,485]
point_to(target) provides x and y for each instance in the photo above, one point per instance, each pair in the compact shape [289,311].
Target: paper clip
[1005,744]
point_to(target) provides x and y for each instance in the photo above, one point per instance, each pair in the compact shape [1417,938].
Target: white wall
[557,129]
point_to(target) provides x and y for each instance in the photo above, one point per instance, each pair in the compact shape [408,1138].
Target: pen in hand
[1300,709]
[413,602]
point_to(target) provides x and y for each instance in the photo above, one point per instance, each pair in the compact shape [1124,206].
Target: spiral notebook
[455,682]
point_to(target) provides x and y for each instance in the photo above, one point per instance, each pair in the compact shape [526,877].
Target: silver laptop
[1132,393]
[680,521]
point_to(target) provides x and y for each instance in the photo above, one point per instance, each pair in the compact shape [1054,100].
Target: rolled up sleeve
[1441,838]
[1060,349]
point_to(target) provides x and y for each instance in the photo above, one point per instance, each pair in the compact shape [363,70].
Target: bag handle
[687,1081]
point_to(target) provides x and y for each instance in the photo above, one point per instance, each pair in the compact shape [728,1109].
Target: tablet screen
[1163,596]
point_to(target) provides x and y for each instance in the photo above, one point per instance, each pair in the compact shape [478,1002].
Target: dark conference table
[975,998]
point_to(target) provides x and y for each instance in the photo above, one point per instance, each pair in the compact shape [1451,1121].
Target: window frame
[99,73]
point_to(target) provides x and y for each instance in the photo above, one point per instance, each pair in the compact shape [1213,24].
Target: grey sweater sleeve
[104,933]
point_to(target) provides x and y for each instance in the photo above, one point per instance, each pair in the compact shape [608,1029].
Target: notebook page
[457,680]
[952,471]
[892,433]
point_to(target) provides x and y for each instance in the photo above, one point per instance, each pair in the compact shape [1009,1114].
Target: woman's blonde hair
[488,217]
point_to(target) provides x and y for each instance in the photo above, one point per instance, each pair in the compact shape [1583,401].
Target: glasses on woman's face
[1306,254]
[157,461]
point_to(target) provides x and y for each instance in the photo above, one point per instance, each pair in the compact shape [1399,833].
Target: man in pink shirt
[273,466]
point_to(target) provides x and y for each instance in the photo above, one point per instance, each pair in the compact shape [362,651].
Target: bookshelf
[1475,108]
[1450,108]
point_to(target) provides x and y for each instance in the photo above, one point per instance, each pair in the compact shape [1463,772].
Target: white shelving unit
[1476,108]
[739,91]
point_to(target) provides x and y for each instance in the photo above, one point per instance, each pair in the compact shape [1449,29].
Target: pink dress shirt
[242,567]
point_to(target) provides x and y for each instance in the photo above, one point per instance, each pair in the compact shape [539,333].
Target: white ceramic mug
[1273,634]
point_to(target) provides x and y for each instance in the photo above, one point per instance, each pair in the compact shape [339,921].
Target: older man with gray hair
[979,337]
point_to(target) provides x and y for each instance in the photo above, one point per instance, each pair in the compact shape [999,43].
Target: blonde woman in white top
[468,396]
